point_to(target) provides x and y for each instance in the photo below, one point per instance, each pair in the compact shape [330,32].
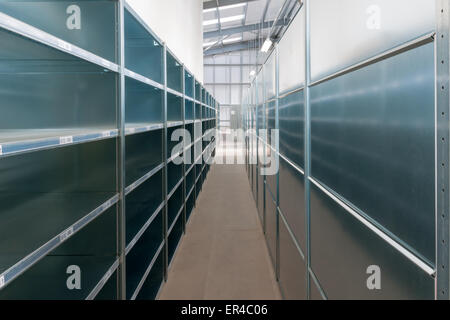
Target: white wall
[179,23]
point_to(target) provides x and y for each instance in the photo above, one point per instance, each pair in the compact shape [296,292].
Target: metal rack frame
[50,141]
[438,273]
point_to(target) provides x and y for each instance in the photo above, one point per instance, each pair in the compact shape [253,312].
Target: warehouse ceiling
[235,25]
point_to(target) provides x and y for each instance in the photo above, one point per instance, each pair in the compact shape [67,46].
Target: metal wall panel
[96,31]
[271,226]
[292,201]
[292,267]
[269,77]
[346,32]
[261,196]
[291,113]
[342,250]
[292,71]
[372,137]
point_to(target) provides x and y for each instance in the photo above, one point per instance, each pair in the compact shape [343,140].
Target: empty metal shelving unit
[94,201]
[358,205]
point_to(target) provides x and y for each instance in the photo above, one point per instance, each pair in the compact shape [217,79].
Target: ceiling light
[209,10]
[252,73]
[209,43]
[266,45]
[232,18]
[238,5]
[210,22]
[233,6]
[232,40]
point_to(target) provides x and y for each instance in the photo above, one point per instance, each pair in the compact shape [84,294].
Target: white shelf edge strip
[20,267]
[176,219]
[291,234]
[174,92]
[141,78]
[422,265]
[190,192]
[178,154]
[30,32]
[150,127]
[174,123]
[18,147]
[143,229]
[147,271]
[189,170]
[291,163]
[188,146]
[103,281]
[144,178]
[174,188]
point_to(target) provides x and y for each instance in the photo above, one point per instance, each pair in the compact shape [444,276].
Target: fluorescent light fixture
[222,20]
[209,43]
[238,5]
[209,10]
[210,22]
[232,18]
[229,40]
[266,45]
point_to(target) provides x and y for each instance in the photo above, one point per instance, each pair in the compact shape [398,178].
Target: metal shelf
[89,183]
[133,128]
[143,79]
[21,28]
[144,228]
[15,142]
[103,281]
[19,267]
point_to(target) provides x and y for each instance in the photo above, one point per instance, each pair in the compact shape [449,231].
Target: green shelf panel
[83,259]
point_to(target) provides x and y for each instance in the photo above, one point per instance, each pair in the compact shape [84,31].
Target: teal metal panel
[342,249]
[261,196]
[140,153]
[143,53]
[90,25]
[154,280]
[142,253]
[292,200]
[271,226]
[292,127]
[141,203]
[373,143]
[292,267]
[92,249]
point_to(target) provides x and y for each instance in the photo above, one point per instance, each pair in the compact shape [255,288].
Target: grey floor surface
[223,254]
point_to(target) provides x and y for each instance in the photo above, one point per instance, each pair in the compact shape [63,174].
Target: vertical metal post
[184,146]
[307,145]
[121,231]
[165,221]
[264,95]
[256,138]
[277,127]
[442,43]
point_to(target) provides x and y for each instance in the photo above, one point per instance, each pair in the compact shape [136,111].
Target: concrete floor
[223,254]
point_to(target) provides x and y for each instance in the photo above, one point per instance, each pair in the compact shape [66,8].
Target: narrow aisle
[223,255]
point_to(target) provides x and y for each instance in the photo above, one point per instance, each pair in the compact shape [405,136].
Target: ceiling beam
[238,46]
[213,4]
[230,65]
[240,29]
